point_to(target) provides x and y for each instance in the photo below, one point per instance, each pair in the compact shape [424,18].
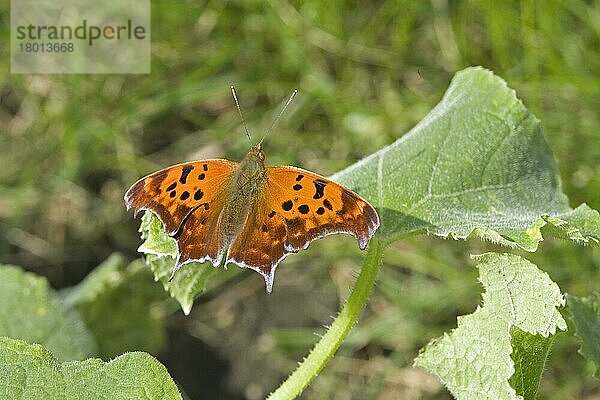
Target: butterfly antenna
[237,104]
[278,117]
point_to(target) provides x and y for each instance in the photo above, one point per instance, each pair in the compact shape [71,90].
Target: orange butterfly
[249,214]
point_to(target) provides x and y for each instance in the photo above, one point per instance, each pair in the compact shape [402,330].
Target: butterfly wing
[188,198]
[295,208]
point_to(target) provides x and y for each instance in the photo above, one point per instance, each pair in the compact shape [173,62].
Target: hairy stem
[331,341]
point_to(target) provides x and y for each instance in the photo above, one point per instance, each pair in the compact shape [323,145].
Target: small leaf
[156,240]
[474,360]
[585,313]
[529,354]
[191,279]
[476,166]
[31,372]
[189,282]
[30,310]
[122,306]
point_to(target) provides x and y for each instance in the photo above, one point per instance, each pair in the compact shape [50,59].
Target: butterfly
[247,213]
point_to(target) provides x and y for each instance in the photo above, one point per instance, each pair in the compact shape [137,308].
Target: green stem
[331,341]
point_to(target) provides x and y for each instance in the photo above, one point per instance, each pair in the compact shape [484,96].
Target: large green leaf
[30,310]
[474,360]
[122,306]
[585,313]
[476,165]
[30,372]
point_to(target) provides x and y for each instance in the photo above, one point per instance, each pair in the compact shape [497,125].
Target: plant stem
[333,338]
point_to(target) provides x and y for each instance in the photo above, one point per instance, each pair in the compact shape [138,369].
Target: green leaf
[161,250]
[474,360]
[529,354]
[122,306]
[581,225]
[30,372]
[30,310]
[476,165]
[585,313]
[156,240]
[190,281]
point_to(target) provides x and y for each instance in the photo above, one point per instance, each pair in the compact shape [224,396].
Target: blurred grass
[70,145]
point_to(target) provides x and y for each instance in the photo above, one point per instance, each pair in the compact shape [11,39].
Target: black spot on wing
[327,205]
[320,210]
[173,194]
[185,171]
[299,177]
[172,186]
[202,176]
[287,205]
[185,195]
[303,209]
[198,195]
[297,187]
[205,167]
[319,188]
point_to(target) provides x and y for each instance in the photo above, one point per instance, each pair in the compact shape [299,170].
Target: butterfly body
[246,183]
[249,214]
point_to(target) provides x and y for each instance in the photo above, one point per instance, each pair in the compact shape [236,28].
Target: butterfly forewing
[174,192]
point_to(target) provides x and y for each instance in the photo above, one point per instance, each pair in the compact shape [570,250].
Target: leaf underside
[474,360]
[161,250]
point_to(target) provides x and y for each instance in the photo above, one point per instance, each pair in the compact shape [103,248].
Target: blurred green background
[70,146]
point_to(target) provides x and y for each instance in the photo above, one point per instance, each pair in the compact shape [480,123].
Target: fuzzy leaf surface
[474,360]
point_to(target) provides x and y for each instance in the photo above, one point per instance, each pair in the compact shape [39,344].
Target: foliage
[121,306]
[474,359]
[585,312]
[31,311]
[476,166]
[31,372]
[116,320]
[161,250]
[71,144]
[494,179]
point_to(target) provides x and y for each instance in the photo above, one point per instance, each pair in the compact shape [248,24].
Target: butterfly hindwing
[200,236]
[297,207]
